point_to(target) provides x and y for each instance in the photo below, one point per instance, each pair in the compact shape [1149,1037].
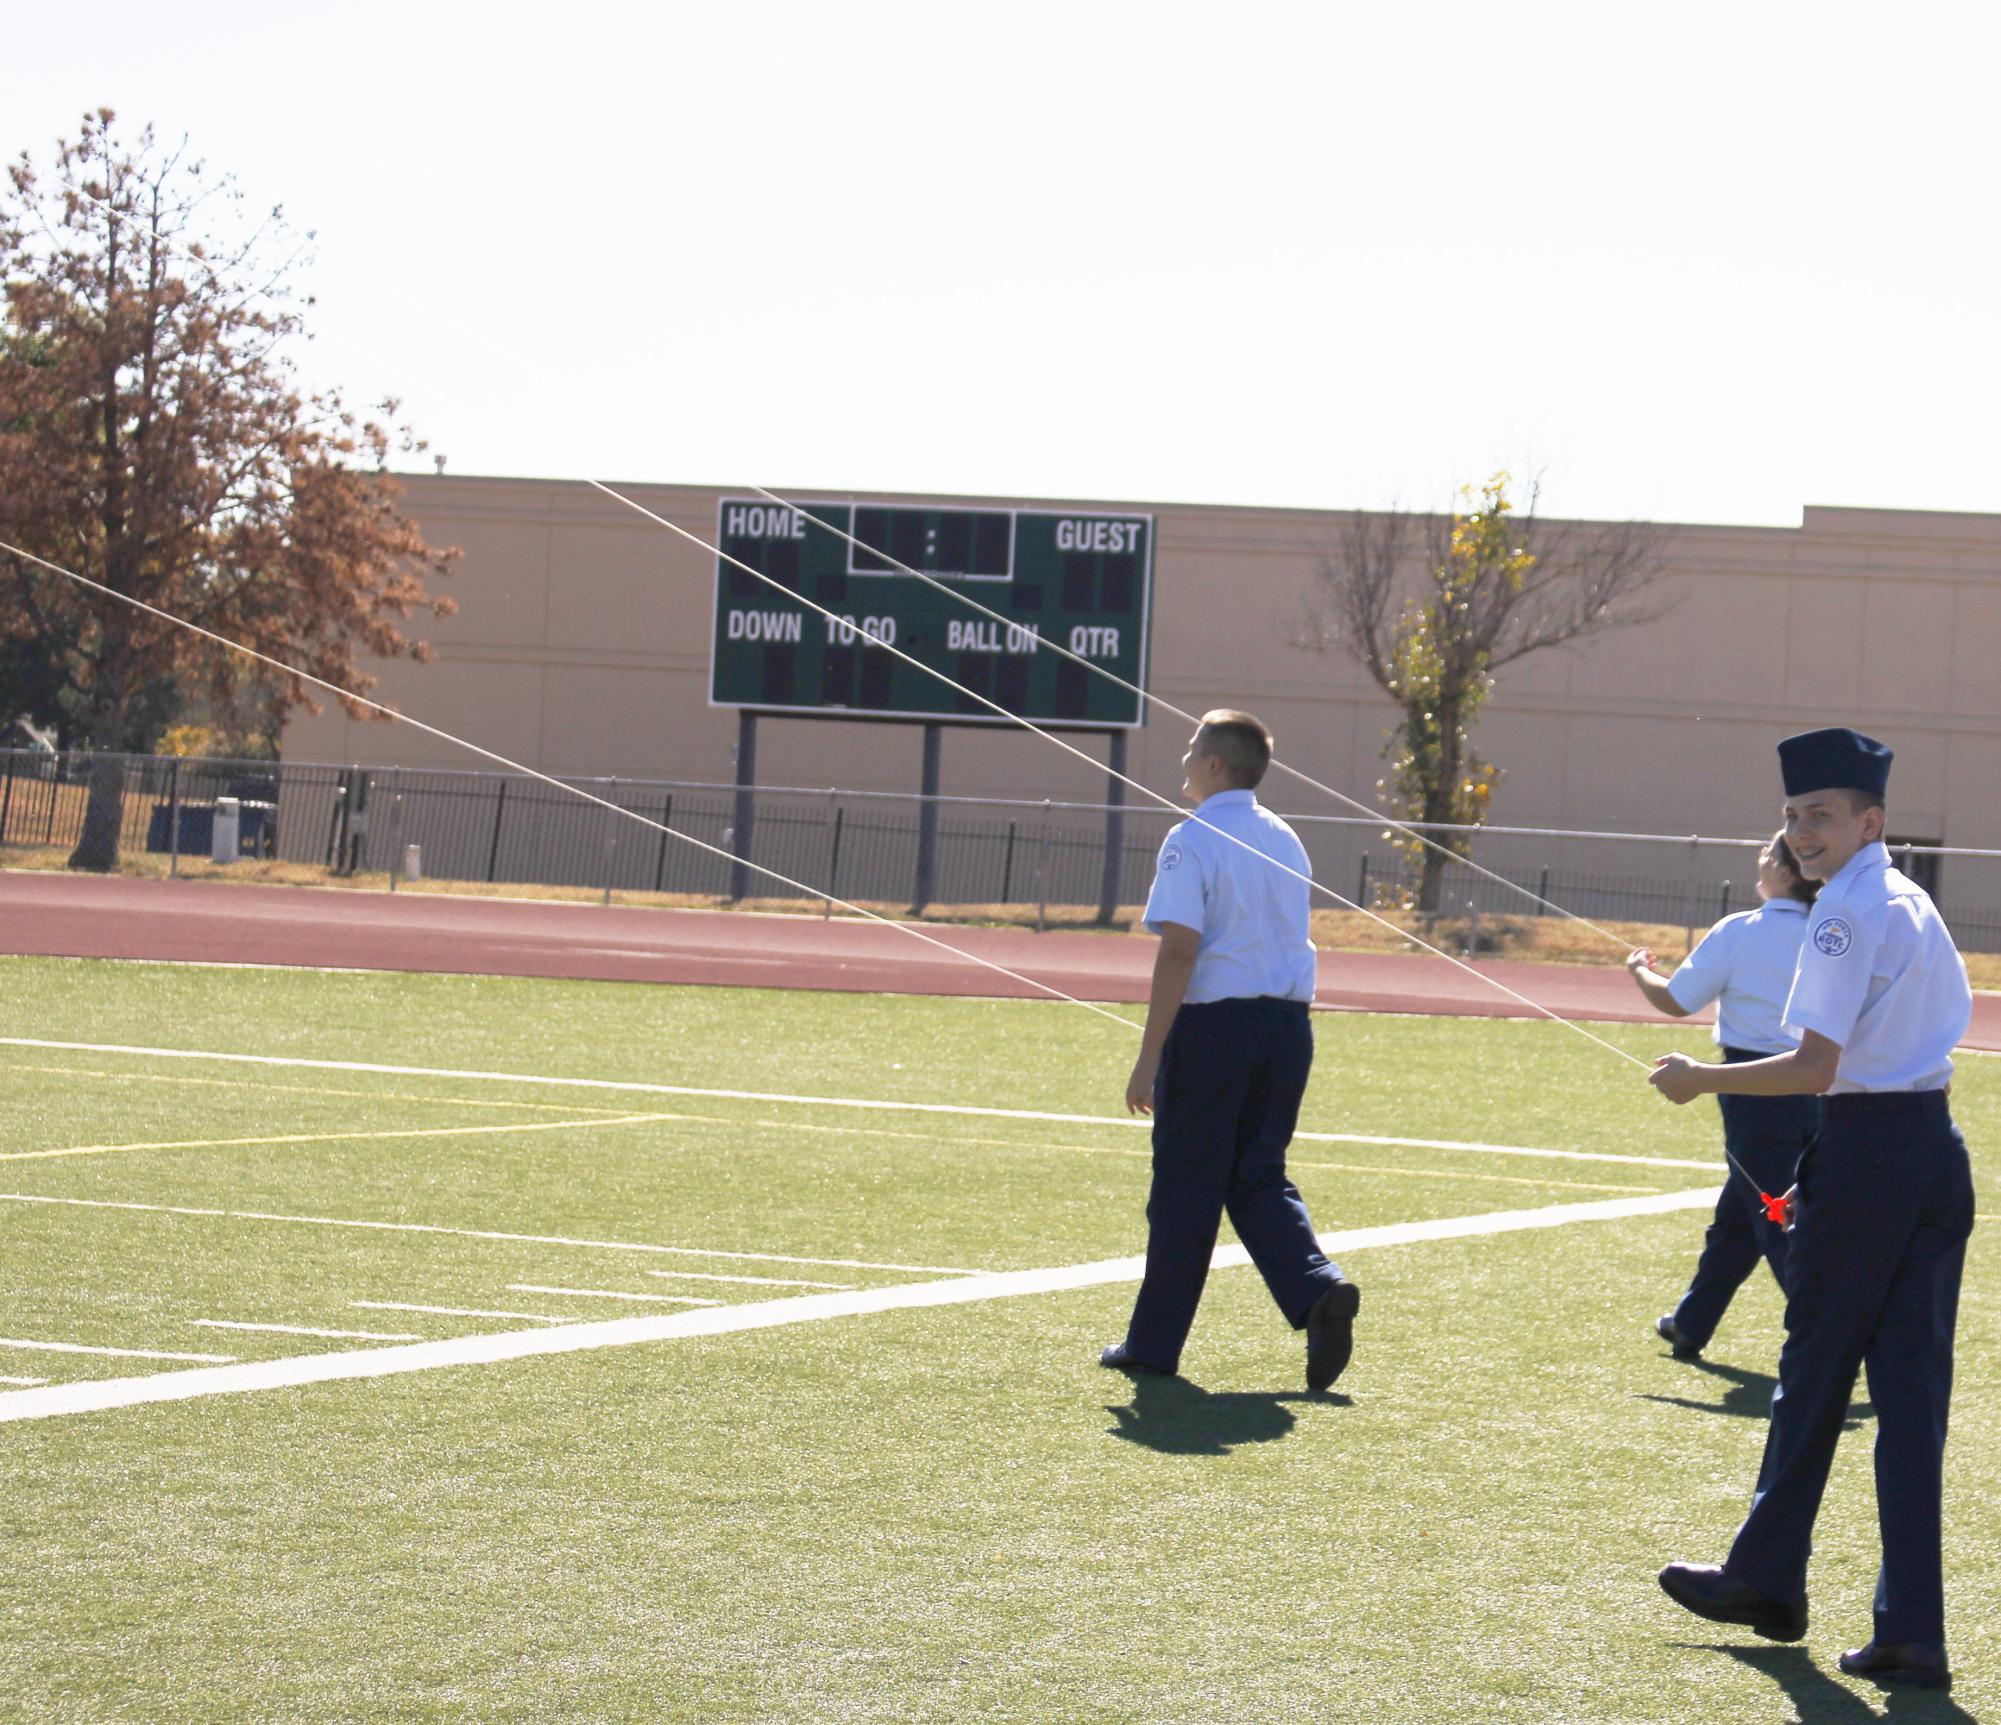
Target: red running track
[86,916]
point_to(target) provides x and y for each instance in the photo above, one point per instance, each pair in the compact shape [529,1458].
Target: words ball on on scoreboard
[1081,581]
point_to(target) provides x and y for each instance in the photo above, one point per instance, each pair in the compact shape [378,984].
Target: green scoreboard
[1074,579]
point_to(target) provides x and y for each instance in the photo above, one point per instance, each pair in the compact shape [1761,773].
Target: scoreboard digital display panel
[1081,580]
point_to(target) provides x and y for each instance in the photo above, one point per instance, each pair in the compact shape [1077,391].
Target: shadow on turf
[1177,1417]
[1749,1395]
[1818,1699]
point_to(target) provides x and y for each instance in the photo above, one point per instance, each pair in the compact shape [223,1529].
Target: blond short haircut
[1240,741]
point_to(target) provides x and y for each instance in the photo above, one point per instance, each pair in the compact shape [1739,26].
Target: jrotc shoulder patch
[1170,858]
[1833,936]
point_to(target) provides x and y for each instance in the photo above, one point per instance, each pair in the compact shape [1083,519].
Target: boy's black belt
[1863,1104]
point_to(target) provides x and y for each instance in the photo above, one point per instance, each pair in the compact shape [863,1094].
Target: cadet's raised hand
[1677,1077]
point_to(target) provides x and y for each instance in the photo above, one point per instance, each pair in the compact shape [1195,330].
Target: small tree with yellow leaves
[1495,583]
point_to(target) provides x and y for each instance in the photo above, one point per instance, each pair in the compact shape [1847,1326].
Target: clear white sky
[1703,262]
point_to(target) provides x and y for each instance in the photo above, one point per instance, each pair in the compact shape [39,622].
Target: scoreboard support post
[927,821]
[745,815]
[1115,833]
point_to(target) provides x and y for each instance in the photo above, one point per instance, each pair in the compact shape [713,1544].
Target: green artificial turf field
[900,1514]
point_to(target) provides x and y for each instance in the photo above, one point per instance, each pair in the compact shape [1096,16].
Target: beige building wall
[581,647]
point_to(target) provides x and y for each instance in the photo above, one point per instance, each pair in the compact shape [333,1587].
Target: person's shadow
[1177,1417]
[1818,1699]
[1749,1395]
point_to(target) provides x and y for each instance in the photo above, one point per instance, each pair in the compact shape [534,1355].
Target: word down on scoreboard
[1083,581]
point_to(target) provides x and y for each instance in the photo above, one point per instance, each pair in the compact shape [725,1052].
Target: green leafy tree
[1433,606]
[155,437]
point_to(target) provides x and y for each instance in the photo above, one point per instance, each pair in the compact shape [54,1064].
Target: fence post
[395,826]
[1688,903]
[174,824]
[1007,866]
[493,845]
[610,833]
[1723,906]
[1472,928]
[1362,885]
[1542,892]
[833,856]
[660,862]
[1042,872]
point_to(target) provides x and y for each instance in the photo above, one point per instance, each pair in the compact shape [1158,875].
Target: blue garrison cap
[1836,759]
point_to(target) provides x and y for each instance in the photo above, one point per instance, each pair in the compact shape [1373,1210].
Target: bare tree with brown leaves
[155,436]
[1432,606]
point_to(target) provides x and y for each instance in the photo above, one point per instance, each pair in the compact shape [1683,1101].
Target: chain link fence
[507,829]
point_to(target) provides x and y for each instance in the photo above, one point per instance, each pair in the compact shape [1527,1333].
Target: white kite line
[868,1103]
[92,1396]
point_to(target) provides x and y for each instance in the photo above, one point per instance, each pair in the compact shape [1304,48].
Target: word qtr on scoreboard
[1076,579]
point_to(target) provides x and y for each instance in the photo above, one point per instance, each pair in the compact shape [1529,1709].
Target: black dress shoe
[1921,1664]
[1704,1589]
[1671,1333]
[1120,1359]
[1330,1334]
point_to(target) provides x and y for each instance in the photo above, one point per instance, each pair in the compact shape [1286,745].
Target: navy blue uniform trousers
[1879,1243]
[1767,1135]
[1224,1108]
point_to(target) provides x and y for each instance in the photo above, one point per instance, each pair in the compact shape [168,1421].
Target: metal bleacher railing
[863,845]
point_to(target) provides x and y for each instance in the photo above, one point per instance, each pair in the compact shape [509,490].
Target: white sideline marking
[482,1131]
[59,1399]
[872,1104]
[118,1353]
[304,1330]
[24,1382]
[307,1089]
[609,1294]
[761,1281]
[478,1234]
[455,1311]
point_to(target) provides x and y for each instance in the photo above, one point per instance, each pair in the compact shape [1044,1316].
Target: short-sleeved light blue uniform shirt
[1746,964]
[1251,916]
[1880,976]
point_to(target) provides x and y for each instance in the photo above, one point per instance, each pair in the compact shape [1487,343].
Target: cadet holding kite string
[1745,964]
[1882,1210]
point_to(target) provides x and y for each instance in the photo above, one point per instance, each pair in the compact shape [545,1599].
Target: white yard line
[116,1353]
[456,1311]
[482,1234]
[305,1330]
[25,1383]
[59,1399]
[871,1104]
[759,1281]
[609,1294]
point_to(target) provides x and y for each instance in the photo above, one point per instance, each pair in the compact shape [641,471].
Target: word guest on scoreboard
[1075,579]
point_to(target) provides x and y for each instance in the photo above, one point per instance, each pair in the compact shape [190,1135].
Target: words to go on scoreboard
[1081,581]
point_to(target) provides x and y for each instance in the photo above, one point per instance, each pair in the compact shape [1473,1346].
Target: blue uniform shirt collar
[1785,902]
[1226,800]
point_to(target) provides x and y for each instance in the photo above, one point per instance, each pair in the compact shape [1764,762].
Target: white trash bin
[413,862]
[226,833]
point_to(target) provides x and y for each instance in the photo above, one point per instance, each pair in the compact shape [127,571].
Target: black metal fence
[508,829]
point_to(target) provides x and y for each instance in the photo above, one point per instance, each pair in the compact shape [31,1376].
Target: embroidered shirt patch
[1170,858]
[1833,937]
